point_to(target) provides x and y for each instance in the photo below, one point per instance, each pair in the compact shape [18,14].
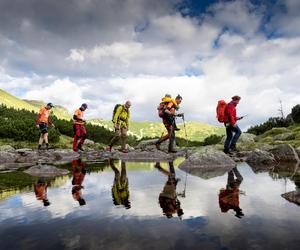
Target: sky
[108,51]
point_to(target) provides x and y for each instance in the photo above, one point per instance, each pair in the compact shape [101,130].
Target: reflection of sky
[265,211]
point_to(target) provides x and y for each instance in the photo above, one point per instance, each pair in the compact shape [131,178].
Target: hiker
[168,200]
[230,121]
[42,121]
[79,128]
[40,190]
[120,188]
[229,197]
[164,101]
[120,120]
[78,177]
[167,111]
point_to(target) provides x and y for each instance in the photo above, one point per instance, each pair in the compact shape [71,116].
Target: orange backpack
[161,109]
[221,110]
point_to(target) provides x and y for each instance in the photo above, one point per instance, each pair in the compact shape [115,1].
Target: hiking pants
[120,134]
[79,133]
[170,135]
[230,139]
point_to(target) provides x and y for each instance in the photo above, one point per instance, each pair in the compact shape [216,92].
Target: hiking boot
[228,152]
[40,147]
[233,148]
[176,128]
[157,145]
[172,151]
[80,147]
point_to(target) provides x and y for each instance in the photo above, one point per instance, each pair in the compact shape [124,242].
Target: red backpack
[161,109]
[221,110]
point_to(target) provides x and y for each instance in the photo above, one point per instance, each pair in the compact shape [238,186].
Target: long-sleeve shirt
[230,113]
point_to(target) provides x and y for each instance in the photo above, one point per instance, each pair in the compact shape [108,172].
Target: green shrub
[296,113]
[212,140]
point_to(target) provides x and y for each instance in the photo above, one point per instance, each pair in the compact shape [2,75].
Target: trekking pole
[186,137]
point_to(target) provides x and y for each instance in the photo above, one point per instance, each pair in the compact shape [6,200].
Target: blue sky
[105,52]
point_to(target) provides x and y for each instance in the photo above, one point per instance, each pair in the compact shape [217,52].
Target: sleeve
[231,115]
[128,117]
[117,114]
[170,106]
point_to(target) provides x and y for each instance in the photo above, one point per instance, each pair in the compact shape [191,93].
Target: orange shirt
[79,114]
[44,115]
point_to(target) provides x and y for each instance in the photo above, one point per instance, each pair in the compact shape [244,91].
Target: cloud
[105,52]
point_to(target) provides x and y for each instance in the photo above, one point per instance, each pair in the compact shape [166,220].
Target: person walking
[168,117]
[231,125]
[79,128]
[42,121]
[120,120]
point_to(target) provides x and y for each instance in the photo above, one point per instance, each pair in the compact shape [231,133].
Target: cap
[50,104]
[84,105]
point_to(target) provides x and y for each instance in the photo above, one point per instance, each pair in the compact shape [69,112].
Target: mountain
[196,131]
[14,102]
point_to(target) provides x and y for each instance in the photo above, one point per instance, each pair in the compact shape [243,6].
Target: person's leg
[171,139]
[82,136]
[41,140]
[116,138]
[46,140]
[236,136]
[76,131]
[228,139]
[238,175]
[164,137]
[123,138]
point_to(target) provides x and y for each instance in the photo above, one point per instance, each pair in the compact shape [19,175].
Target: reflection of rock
[260,157]
[46,171]
[293,197]
[9,167]
[284,153]
[207,162]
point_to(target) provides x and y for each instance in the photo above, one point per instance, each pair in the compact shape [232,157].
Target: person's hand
[180,114]
[116,126]
[37,126]
[53,126]
[234,125]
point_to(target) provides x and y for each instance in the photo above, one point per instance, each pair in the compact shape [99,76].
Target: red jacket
[230,113]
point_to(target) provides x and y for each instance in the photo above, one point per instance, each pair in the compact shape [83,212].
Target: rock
[298,151]
[89,142]
[293,197]
[24,151]
[284,136]
[46,171]
[265,147]
[207,162]
[7,148]
[285,153]
[7,157]
[149,145]
[260,157]
[245,138]
[145,156]
[14,166]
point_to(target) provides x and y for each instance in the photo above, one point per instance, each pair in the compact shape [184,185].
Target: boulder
[207,162]
[284,137]
[89,142]
[284,153]
[46,171]
[260,157]
[7,148]
[298,151]
[245,138]
[8,157]
[149,145]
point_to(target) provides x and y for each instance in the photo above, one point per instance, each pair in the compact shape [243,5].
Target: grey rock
[149,145]
[207,162]
[14,166]
[7,148]
[298,151]
[293,197]
[89,142]
[285,153]
[7,157]
[46,171]
[260,157]
[245,138]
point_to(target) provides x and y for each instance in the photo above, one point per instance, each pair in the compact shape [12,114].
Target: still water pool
[151,206]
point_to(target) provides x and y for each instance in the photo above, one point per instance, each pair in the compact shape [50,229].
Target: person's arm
[76,118]
[37,120]
[50,122]
[117,114]
[128,117]
[231,116]
[168,109]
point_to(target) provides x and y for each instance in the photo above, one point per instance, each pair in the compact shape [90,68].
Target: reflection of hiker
[79,128]
[121,115]
[40,190]
[230,121]
[120,188]
[168,200]
[167,111]
[42,121]
[229,197]
[79,172]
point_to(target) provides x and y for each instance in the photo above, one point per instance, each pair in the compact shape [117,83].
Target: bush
[273,122]
[296,113]
[212,140]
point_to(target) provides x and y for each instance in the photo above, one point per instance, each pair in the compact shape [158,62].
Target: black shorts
[43,128]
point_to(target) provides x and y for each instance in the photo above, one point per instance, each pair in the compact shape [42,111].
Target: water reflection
[40,190]
[79,172]
[168,199]
[229,196]
[120,188]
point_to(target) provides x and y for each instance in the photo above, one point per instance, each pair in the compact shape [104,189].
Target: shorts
[43,128]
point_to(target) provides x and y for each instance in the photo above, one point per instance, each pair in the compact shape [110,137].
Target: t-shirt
[79,115]
[44,115]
